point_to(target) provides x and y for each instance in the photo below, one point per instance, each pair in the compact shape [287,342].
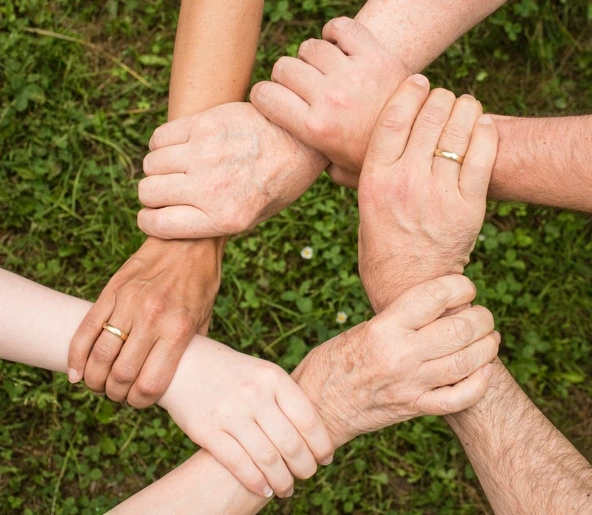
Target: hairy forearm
[523,462]
[417,32]
[214,54]
[544,161]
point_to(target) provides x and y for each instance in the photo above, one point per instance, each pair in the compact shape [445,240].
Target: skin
[181,195]
[239,403]
[165,292]
[331,96]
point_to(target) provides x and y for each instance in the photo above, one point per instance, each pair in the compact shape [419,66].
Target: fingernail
[327,461]
[290,492]
[339,23]
[73,375]
[498,336]
[261,91]
[267,491]
[421,80]
[466,95]
[485,120]
[488,370]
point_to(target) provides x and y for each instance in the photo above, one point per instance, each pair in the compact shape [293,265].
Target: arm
[351,396]
[544,161]
[165,292]
[540,160]
[523,462]
[182,196]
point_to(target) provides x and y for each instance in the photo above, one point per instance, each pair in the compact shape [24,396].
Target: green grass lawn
[83,85]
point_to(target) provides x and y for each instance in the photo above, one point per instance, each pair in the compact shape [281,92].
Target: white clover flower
[481,237]
[307,253]
[341,317]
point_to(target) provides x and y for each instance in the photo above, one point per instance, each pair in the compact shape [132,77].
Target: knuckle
[462,329]
[238,459]
[103,354]
[438,291]
[293,446]
[456,132]
[432,116]
[309,420]
[269,456]
[337,98]
[462,364]
[123,373]
[393,119]
[151,388]
[153,308]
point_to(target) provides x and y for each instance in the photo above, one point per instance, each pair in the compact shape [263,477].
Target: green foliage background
[82,86]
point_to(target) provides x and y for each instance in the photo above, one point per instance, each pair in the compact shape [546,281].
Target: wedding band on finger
[117,332]
[446,154]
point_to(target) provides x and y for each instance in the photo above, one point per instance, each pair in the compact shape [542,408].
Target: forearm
[36,326]
[523,462]
[214,54]
[544,161]
[418,32]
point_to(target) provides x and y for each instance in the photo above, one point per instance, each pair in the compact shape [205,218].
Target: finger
[167,160]
[289,443]
[128,364]
[343,177]
[428,127]
[424,303]
[350,36]
[171,133]
[302,414]
[265,456]
[455,138]
[86,335]
[283,107]
[297,76]
[232,455]
[104,353]
[389,139]
[463,395]
[322,55]
[167,190]
[479,161]
[459,365]
[157,371]
[449,334]
[177,222]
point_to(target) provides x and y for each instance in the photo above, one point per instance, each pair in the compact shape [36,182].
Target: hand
[404,363]
[420,215]
[221,172]
[250,415]
[331,96]
[160,297]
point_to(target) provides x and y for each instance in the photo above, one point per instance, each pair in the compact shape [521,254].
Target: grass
[82,86]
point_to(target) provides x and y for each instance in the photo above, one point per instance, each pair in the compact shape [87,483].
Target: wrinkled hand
[420,215]
[221,172]
[250,415]
[160,297]
[332,95]
[404,363]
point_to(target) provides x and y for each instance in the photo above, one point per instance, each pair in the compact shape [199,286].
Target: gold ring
[117,332]
[449,155]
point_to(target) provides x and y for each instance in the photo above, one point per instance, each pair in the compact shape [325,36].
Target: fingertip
[485,119]
[487,371]
[420,80]
[74,375]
